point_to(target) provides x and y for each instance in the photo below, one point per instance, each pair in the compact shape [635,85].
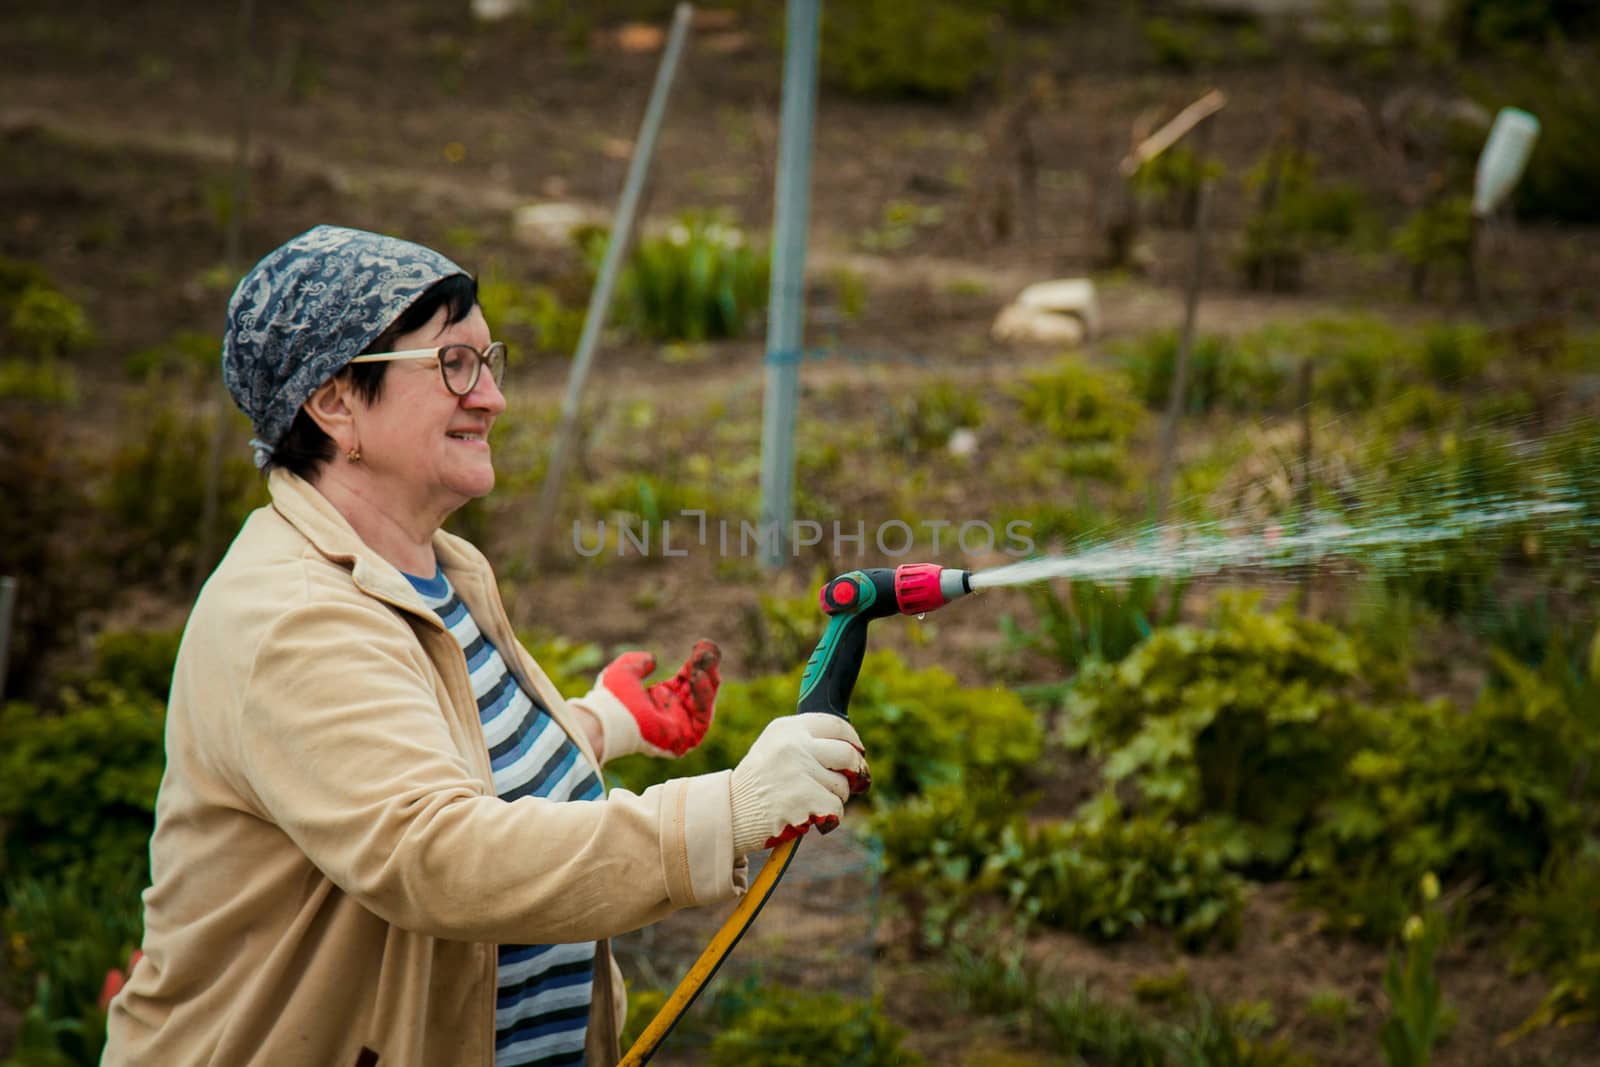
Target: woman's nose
[485,395]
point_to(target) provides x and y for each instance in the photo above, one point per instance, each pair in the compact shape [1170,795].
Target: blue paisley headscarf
[308,308]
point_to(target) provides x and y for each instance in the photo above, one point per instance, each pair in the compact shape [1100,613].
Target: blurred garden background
[1339,814]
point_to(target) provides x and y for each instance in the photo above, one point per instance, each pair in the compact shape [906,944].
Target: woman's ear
[330,408]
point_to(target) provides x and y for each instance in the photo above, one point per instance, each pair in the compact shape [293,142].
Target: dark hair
[305,448]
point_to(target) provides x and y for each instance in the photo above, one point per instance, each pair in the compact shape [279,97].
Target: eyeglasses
[459,365]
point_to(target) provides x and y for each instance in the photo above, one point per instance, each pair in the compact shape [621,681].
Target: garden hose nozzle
[851,601]
[854,599]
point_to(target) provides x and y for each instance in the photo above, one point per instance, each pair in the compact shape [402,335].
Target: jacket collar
[315,517]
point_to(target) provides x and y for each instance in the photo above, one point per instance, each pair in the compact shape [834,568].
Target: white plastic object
[1505,156]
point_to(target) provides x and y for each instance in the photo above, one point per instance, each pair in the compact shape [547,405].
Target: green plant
[51,541]
[1170,184]
[935,848]
[1453,354]
[1091,1029]
[1416,1010]
[79,784]
[64,933]
[1107,876]
[1245,719]
[155,500]
[1220,373]
[1296,213]
[1559,934]
[789,1028]
[1100,622]
[570,665]
[1488,795]
[700,280]
[938,49]
[1180,45]
[44,323]
[780,629]
[1438,234]
[1077,404]
[137,661]
[921,421]
[1231,1036]
[992,978]
[39,381]
[1332,1008]
[850,293]
[900,225]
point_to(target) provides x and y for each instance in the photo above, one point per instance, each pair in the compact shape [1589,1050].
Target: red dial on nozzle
[916,588]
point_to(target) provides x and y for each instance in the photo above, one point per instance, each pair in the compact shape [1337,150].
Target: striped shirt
[543,991]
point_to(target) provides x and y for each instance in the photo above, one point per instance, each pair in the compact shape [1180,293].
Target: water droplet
[921,615]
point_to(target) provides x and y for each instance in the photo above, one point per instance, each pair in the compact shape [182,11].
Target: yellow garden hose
[715,952]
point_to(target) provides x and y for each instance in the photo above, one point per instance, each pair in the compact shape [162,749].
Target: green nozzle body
[853,600]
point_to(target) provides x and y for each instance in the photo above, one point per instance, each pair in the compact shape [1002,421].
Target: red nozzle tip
[916,588]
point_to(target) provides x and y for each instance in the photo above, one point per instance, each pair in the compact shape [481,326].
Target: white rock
[1016,324]
[964,442]
[1065,296]
[495,10]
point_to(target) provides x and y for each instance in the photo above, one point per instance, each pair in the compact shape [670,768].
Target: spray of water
[1382,541]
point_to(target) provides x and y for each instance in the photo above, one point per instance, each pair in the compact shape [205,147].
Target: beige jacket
[331,867]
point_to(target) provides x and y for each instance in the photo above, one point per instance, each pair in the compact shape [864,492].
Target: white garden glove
[797,775]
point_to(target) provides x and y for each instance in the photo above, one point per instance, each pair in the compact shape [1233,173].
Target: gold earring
[354,455]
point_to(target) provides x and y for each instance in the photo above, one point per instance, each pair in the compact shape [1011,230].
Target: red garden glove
[666,719]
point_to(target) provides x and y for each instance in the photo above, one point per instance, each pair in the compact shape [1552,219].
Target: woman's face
[427,448]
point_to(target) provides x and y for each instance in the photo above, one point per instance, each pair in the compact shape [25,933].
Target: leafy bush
[155,499]
[789,1028]
[38,381]
[44,323]
[1246,719]
[1108,876]
[1559,934]
[79,785]
[938,49]
[63,934]
[1078,404]
[138,661]
[1483,795]
[1437,234]
[1301,214]
[1453,354]
[1220,374]
[920,728]
[534,314]
[936,846]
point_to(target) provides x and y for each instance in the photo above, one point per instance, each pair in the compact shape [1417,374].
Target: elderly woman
[381,837]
